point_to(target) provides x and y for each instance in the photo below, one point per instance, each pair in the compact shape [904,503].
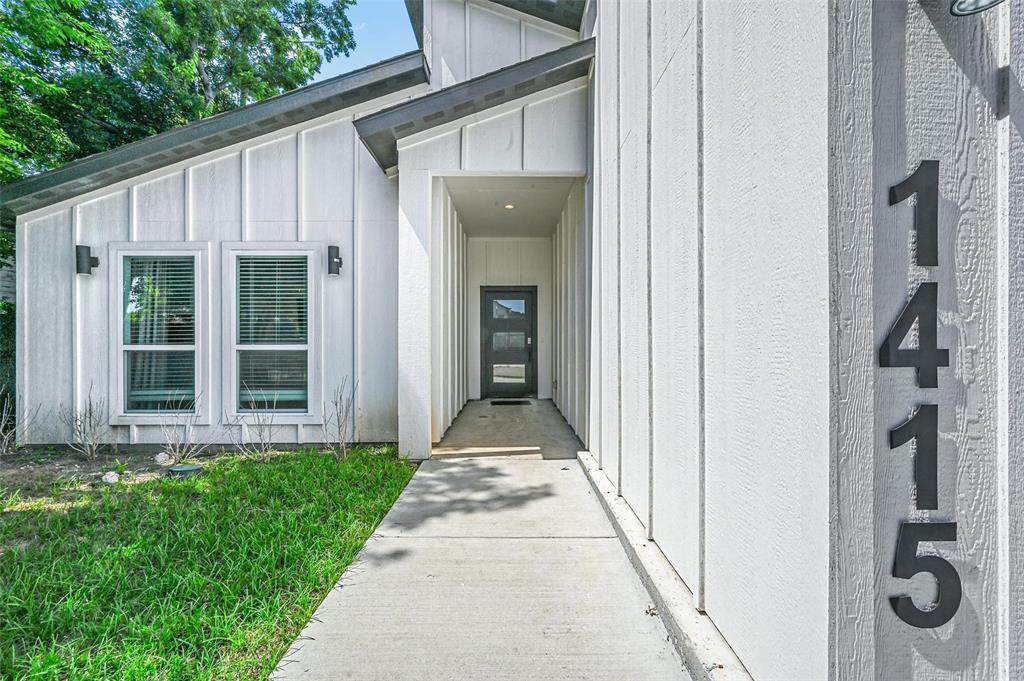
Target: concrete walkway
[489,569]
[534,430]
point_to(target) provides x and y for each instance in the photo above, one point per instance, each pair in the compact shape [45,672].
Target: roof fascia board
[214,134]
[415,10]
[381,131]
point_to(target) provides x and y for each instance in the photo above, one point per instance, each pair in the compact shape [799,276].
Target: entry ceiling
[537,204]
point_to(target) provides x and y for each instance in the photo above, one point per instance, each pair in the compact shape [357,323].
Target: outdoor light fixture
[333,260]
[963,8]
[509,206]
[85,260]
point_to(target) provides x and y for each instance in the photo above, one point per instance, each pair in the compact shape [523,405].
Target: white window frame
[315,253]
[117,251]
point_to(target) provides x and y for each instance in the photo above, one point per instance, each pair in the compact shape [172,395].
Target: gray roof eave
[564,13]
[209,134]
[381,131]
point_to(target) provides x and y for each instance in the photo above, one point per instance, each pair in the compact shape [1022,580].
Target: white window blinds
[159,333]
[273,332]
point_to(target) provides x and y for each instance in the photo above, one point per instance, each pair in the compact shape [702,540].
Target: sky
[382,30]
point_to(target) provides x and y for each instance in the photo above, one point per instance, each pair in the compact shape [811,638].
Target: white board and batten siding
[468,38]
[774,268]
[311,184]
[708,428]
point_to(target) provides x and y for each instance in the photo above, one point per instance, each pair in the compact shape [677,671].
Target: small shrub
[85,426]
[336,416]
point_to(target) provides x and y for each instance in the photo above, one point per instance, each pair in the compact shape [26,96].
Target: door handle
[529,347]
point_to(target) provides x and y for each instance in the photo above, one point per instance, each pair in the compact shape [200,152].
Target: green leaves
[79,77]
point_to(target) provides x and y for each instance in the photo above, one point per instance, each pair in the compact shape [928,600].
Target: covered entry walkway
[525,429]
[489,569]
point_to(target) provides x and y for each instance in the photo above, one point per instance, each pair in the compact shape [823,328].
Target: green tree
[38,40]
[95,74]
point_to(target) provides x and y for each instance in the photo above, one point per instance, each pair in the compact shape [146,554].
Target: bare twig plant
[14,430]
[254,432]
[336,416]
[85,426]
[179,432]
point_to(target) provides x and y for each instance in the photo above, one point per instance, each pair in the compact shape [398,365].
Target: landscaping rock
[111,477]
[163,458]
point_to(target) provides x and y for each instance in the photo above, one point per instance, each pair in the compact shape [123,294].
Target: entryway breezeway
[528,429]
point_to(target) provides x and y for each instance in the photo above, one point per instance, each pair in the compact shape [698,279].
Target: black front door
[508,323]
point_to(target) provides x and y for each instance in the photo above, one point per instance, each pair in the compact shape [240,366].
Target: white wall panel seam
[76,336]
[650,310]
[699,591]
[618,246]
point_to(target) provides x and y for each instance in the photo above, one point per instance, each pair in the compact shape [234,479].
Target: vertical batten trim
[133,212]
[699,592]
[1004,534]
[243,209]
[188,203]
[357,311]
[76,315]
[21,322]
[300,185]
[618,247]
[650,306]
[467,46]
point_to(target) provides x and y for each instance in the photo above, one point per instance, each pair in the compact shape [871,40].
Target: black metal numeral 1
[923,428]
[925,183]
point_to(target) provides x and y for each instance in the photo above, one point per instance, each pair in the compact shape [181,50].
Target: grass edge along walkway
[207,578]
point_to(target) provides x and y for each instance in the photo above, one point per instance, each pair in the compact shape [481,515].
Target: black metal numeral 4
[926,357]
[923,428]
[925,183]
[908,563]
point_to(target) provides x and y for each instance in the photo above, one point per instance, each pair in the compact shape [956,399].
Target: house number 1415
[923,426]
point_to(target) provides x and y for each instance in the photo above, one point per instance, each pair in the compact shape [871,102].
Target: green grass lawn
[206,578]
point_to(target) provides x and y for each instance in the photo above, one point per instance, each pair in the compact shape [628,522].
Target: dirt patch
[49,473]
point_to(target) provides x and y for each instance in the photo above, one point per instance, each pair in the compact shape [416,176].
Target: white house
[683,221]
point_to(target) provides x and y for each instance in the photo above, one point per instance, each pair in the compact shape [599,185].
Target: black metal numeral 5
[908,564]
[926,357]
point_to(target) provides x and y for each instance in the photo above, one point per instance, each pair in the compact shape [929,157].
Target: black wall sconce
[333,260]
[963,8]
[85,260]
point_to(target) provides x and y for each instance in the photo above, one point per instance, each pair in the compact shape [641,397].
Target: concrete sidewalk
[485,570]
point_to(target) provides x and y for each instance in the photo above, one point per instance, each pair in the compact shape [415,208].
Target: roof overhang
[209,134]
[564,13]
[381,131]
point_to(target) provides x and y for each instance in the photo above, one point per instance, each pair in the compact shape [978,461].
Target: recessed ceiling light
[509,206]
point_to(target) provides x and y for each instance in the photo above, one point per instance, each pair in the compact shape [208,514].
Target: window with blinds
[272,333]
[159,335]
